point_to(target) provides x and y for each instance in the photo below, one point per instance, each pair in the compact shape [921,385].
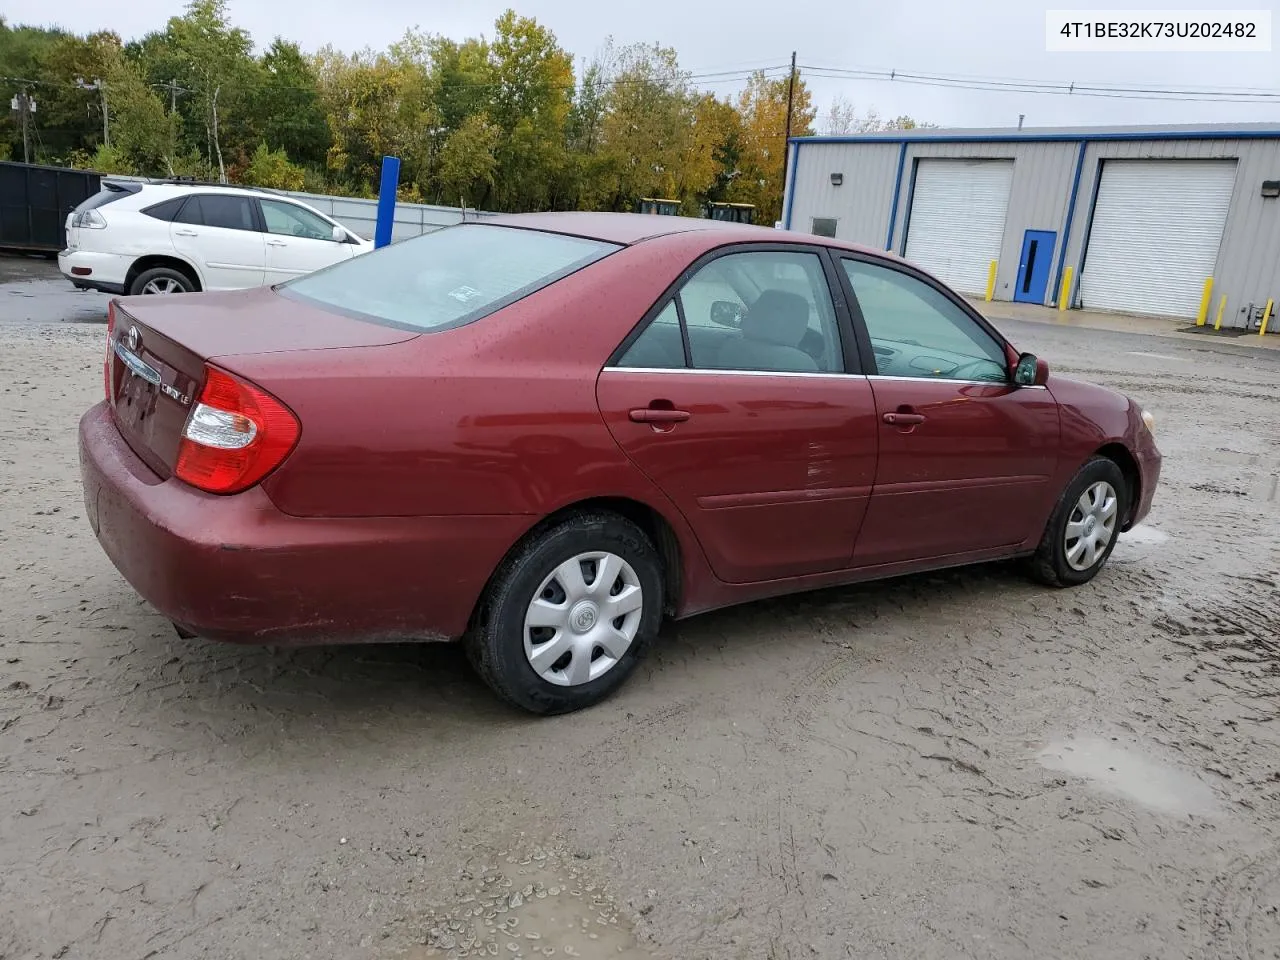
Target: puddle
[535,905]
[1131,775]
[1138,543]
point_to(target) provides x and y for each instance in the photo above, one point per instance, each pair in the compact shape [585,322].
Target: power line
[1008,85]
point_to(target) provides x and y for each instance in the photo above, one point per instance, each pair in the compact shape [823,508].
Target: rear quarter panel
[495,417]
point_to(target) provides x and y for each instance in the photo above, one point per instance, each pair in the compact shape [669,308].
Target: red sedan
[543,434]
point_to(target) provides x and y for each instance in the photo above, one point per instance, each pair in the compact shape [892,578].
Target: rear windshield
[446,278]
[109,193]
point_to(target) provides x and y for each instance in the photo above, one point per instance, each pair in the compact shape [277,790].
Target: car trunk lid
[158,348]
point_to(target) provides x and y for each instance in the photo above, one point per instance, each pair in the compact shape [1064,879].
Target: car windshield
[446,278]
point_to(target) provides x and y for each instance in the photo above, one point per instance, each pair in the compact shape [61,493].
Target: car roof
[632,228]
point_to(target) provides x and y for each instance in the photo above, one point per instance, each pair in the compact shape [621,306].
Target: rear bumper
[236,568]
[105,271]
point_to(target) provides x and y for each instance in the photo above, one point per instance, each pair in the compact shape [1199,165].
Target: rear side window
[446,278]
[166,210]
[212,210]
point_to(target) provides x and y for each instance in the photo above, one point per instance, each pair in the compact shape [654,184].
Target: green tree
[467,162]
[288,112]
[648,127]
[272,168]
[533,91]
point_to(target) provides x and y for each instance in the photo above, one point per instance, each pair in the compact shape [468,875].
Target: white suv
[174,237]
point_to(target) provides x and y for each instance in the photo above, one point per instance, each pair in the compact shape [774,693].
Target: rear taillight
[106,363]
[235,435]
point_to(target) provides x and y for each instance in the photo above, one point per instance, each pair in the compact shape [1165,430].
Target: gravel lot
[958,765]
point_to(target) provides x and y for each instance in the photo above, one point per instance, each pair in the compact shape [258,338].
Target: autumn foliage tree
[501,122]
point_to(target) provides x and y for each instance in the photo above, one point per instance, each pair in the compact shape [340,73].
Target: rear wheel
[159,281]
[569,614]
[1084,526]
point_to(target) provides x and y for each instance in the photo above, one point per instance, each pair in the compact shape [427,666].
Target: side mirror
[340,235]
[726,313]
[1031,371]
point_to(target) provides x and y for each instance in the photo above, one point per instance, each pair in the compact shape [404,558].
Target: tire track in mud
[1241,914]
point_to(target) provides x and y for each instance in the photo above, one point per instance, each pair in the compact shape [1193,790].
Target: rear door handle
[186,233]
[651,415]
[276,243]
[904,419]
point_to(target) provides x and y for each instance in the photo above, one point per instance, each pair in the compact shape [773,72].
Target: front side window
[916,331]
[290,220]
[766,311]
[446,278]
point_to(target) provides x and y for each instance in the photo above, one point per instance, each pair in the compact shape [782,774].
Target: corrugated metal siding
[1248,264]
[860,205]
[1157,228]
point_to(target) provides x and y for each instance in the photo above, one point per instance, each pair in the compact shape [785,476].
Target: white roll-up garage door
[1157,226]
[956,221]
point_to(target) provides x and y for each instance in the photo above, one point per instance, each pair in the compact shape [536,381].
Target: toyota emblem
[133,338]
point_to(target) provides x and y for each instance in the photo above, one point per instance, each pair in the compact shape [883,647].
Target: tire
[503,647]
[160,277]
[1057,562]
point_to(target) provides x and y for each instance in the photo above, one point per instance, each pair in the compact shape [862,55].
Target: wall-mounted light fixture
[1271,188]
[837,179]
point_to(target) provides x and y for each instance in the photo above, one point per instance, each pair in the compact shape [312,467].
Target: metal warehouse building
[1161,221]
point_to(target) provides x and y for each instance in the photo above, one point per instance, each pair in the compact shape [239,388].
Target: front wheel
[1084,526]
[569,614]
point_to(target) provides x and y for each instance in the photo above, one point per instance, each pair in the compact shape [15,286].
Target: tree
[467,163]
[763,107]
[288,112]
[842,120]
[272,168]
[532,92]
[647,128]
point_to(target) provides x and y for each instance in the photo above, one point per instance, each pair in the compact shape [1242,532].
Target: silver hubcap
[1091,526]
[583,618]
[162,285]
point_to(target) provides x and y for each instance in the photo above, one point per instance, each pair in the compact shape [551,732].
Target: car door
[741,400]
[298,241]
[965,454]
[219,234]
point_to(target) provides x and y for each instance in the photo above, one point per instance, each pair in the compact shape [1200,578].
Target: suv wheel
[161,280]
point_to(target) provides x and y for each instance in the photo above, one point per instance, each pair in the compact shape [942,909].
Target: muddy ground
[959,765]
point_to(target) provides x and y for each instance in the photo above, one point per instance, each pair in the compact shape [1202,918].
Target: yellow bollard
[991,280]
[1204,302]
[1065,292]
[1266,315]
[1222,305]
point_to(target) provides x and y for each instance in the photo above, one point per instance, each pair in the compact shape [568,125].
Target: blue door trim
[791,184]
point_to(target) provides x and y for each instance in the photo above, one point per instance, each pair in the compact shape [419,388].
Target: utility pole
[25,105]
[1021,117]
[786,143]
[101,88]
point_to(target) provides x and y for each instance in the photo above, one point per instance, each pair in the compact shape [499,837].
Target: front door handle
[657,415]
[186,233]
[904,419]
[276,243]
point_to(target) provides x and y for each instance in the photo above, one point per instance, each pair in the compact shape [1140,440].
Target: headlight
[1149,420]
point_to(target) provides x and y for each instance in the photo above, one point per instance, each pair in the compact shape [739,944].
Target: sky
[989,39]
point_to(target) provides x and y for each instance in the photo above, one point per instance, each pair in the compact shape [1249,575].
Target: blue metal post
[387,201]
